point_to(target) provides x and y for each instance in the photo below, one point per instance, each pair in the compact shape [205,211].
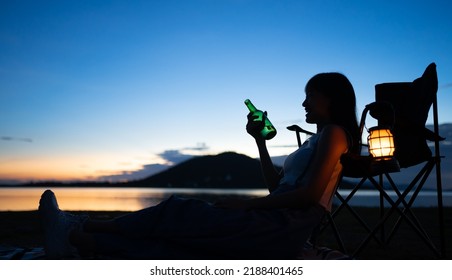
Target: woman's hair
[339,90]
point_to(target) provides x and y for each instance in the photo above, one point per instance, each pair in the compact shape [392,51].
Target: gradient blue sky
[96,88]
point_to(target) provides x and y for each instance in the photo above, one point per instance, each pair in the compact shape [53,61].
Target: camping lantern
[381,140]
[381,143]
[381,149]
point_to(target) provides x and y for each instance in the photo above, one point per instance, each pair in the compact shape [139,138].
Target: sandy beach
[22,229]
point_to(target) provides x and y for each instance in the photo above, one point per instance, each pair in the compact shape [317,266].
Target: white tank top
[296,165]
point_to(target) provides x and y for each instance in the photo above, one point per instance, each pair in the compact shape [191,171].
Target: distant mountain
[225,170]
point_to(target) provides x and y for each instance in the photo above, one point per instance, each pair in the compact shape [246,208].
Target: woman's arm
[332,144]
[271,175]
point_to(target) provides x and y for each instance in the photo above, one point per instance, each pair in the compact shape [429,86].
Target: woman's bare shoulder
[335,134]
[334,130]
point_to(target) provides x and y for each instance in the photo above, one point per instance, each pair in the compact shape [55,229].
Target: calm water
[131,199]
[106,199]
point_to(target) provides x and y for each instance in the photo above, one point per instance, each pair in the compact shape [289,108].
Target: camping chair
[411,102]
[403,107]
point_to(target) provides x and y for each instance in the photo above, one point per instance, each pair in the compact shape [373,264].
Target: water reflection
[132,199]
[105,199]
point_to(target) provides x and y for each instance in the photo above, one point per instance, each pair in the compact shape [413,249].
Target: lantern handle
[380,110]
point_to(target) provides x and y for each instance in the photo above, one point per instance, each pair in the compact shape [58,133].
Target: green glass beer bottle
[268,131]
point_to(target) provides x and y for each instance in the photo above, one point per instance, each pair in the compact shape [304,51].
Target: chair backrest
[411,102]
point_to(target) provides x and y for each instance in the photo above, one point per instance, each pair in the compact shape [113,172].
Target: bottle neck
[250,106]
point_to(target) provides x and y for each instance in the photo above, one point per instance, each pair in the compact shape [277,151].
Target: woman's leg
[187,225]
[65,234]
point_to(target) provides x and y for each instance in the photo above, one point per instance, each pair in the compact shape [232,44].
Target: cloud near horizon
[170,157]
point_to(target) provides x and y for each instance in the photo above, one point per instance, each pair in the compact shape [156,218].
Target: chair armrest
[298,129]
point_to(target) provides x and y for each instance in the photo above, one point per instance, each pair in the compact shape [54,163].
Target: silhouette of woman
[275,226]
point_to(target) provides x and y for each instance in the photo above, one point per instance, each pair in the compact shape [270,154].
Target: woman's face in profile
[316,106]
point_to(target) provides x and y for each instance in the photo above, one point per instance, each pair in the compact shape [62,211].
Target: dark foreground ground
[22,229]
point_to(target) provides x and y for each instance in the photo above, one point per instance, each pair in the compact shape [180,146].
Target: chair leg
[336,233]
[439,187]
[439,191]
[425,172]
[344,203]
[382,212]
[394,207]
